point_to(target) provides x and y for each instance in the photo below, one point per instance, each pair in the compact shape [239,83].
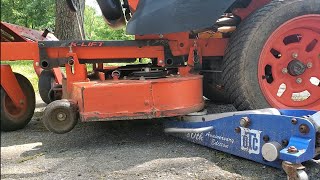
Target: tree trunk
[69,25]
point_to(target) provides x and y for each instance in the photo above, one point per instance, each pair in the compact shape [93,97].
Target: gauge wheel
[273,58]
[12,117]
[60,116]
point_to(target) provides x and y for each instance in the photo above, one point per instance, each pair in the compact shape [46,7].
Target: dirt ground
[121,150]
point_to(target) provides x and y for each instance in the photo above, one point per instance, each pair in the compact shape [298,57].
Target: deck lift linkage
[172,83]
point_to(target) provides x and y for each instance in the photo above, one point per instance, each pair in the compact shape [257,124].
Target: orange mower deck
[138,99]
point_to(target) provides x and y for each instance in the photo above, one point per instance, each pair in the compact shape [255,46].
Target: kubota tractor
[252,53]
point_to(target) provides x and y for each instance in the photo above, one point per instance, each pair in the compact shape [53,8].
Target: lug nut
[309,65]
[295,55]
[299,80]
[294,121]
[244,122]
[284,70]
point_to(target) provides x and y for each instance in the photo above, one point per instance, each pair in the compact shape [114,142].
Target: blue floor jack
[277,138]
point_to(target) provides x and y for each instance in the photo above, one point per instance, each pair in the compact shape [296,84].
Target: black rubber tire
[51,121]
[240,69]
[10,123]
[111,9]
[212,80]
[72,4]
[45,85]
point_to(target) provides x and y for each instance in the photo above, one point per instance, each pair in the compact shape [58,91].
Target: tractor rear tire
[45,85]
[213,91]
[212,84]
[242,60]
[13,118]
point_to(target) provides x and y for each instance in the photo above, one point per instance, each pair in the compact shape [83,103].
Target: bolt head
[292,149]
[304,129]
[285,142]
[294,121]
[309,65]
[266,138]
[244,122]
[237,130]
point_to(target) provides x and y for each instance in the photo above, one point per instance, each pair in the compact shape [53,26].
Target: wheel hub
[61,116]
[296,68]
[289,62]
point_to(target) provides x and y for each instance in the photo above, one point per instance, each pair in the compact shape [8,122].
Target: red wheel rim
[13,111]
[289,65]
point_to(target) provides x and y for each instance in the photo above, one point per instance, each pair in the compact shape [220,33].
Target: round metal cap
[296,68]
[271,151]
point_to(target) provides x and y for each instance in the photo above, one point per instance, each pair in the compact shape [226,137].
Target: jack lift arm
[277,138]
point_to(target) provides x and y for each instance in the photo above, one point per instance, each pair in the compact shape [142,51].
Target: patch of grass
[28,158]
[26,69]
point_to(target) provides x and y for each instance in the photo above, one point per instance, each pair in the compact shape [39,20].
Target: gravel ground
[121,150]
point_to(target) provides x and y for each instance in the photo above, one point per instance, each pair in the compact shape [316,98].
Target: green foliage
[40,14]
[29,13]
[97,29]
[25,68]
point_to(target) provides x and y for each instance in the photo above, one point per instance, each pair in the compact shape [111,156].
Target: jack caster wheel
[60,116]
[12,117]
[302,175]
